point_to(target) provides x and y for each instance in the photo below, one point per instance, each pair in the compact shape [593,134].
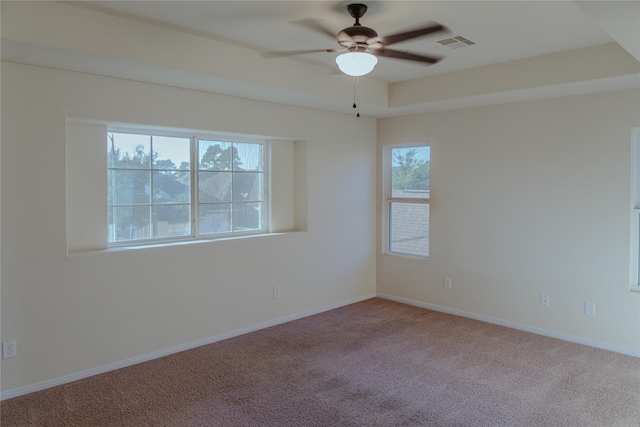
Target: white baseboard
[171,350]
[513,325]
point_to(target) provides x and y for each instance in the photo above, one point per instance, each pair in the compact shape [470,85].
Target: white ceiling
[524,49]
[502,30]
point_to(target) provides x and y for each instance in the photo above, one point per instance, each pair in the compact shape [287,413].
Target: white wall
[527,198]
[74,313]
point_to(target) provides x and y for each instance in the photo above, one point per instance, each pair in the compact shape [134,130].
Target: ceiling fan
[360,45]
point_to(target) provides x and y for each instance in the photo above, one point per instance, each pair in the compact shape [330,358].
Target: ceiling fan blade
[390,53]
[316,26]
[277,54]
[399,37]
[345,39]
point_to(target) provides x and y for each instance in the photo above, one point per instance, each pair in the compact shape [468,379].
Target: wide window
[175,187]
[407,191]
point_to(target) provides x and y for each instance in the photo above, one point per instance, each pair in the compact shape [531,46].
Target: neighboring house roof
[410,224]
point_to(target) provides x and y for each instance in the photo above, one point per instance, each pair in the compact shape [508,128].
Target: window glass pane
[409,228]
[214,155]
[171,221]
[129,223]
[110,188]
[410,169]
[215,218]
[637,243]
[170,153]
[247,216]
[249,157]
[214,187]
[247,187]
[128,151]
[171,187]
[130,187]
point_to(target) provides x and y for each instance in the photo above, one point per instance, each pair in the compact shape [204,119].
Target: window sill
[81,252]
[406,256]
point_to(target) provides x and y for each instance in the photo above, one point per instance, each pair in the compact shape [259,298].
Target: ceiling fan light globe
[356,64]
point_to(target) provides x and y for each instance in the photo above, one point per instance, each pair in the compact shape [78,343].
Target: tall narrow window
[407,197]
[635,210]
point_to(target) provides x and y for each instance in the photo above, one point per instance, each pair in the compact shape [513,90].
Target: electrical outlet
[9,349]
[276,292]
[544,300]
[590,308]
[447,282]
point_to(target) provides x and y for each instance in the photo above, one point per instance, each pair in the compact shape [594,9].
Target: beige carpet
[375,363]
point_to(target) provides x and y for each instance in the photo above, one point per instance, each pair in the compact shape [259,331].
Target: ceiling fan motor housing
[357,34]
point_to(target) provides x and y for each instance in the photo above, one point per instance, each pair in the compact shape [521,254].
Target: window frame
[388,200]
[194,138]
[634,276]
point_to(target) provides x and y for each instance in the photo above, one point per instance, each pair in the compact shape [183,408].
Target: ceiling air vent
[450,43]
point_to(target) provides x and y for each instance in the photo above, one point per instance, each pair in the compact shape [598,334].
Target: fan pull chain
[356,85]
